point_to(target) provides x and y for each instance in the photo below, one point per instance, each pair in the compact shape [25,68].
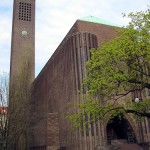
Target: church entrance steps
[118,141]
[130,147]
[120,144]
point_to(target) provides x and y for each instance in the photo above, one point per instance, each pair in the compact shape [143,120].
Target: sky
[55,18]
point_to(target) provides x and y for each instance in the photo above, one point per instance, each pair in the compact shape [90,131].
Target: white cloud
[55,18]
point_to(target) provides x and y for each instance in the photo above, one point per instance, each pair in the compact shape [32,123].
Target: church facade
[59,82]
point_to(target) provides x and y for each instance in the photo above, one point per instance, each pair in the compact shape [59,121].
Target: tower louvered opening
[25,11]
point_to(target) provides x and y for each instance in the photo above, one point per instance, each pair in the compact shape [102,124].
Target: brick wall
[52,131]
[58,84]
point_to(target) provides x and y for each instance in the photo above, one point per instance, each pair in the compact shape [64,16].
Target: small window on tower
[25,8]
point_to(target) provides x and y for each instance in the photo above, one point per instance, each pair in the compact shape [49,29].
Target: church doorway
[120,130]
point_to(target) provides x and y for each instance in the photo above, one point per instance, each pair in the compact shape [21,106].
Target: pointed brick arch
[131,123]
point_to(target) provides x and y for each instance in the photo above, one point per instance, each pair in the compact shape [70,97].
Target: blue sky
[55,18]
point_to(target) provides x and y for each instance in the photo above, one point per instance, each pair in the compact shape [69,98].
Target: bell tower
[22,67]
[23,37]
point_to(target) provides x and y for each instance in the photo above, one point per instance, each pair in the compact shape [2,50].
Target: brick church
[58,84]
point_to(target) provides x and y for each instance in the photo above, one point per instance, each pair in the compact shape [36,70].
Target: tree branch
[140,114]
[130,111]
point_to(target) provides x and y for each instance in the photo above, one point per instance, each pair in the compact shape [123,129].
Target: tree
[14,107]
[117,70]
[3,110]
[19,97]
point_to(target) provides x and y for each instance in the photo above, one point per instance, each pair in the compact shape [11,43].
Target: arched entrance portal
[120,129]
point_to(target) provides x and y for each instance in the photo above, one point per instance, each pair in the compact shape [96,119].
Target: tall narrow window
[78,72]
[148,120]
[92,125]
[148,92]
[87,125]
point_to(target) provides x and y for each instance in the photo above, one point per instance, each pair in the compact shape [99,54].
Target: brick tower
[23,36]
[21,71]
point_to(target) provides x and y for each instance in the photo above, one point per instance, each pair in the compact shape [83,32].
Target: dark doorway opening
[62,148]
[120,129]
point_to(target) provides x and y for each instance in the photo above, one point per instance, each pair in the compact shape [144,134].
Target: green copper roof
[98,20]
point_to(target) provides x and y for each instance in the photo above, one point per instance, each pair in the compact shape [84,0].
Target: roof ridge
[98,20]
